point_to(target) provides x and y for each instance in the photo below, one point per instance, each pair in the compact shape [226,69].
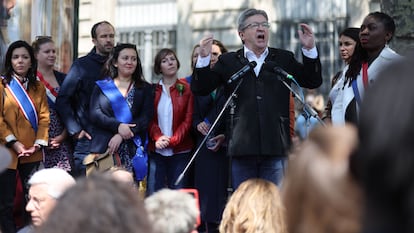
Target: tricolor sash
[123,114]
[24,101]
[364,81]
[50,91]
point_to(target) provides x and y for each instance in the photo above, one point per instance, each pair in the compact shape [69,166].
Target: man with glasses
[259,139]
[72,102]
[46,186]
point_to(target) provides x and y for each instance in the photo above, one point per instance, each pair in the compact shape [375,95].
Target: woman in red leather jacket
[170,141]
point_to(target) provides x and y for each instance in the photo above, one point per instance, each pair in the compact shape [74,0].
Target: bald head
[123,176]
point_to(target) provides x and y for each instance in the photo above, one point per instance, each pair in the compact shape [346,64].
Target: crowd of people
[250,175]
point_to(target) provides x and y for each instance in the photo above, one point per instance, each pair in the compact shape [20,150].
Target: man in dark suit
[259,139]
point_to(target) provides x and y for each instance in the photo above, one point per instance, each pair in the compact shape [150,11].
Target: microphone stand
[228,102]
[306,106]
[230,140]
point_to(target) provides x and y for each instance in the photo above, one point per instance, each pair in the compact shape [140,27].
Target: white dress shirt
[165,115]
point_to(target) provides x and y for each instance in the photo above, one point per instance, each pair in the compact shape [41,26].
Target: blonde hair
[318,191]
[255,207]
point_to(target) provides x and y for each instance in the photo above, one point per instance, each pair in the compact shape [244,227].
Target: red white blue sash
[364,81]
[50,91]
[24,101]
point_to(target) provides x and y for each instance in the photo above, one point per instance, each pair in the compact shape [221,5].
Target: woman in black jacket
[121,107]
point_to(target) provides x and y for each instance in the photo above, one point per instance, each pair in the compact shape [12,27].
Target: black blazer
[208,107]
[105,125]
[261,119]
[59,76]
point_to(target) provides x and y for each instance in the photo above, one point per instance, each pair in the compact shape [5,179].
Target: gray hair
[248,13]
[172,211]
[57,180]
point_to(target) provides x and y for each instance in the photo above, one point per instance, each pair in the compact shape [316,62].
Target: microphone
[242,72]
[282,73]
[272,66]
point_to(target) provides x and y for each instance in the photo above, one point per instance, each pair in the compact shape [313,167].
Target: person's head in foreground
[255,207]
[98,203]
[122,175]
[46,187]
[172,211]
[319,192]
[384,163]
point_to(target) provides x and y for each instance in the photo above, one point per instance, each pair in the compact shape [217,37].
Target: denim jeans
[80,152]
[164,171]
[268,168]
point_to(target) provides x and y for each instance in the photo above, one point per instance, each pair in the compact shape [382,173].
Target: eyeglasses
[256,25]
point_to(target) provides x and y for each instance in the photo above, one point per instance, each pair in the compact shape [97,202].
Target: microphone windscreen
[253,64]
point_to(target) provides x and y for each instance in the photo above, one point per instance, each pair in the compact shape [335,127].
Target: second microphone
[236,76]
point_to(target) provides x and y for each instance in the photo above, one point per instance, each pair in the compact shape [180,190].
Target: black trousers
[8,192]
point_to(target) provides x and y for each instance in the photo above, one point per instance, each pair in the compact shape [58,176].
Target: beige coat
[14,123]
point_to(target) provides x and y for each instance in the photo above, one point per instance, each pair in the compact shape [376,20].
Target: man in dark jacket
[72,102]
[259,139]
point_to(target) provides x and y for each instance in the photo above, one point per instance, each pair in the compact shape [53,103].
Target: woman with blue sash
[24,125]
[121,107]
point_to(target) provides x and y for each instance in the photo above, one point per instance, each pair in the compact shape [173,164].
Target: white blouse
[165,118]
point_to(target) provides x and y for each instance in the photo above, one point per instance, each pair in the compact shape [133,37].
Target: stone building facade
[180,24]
